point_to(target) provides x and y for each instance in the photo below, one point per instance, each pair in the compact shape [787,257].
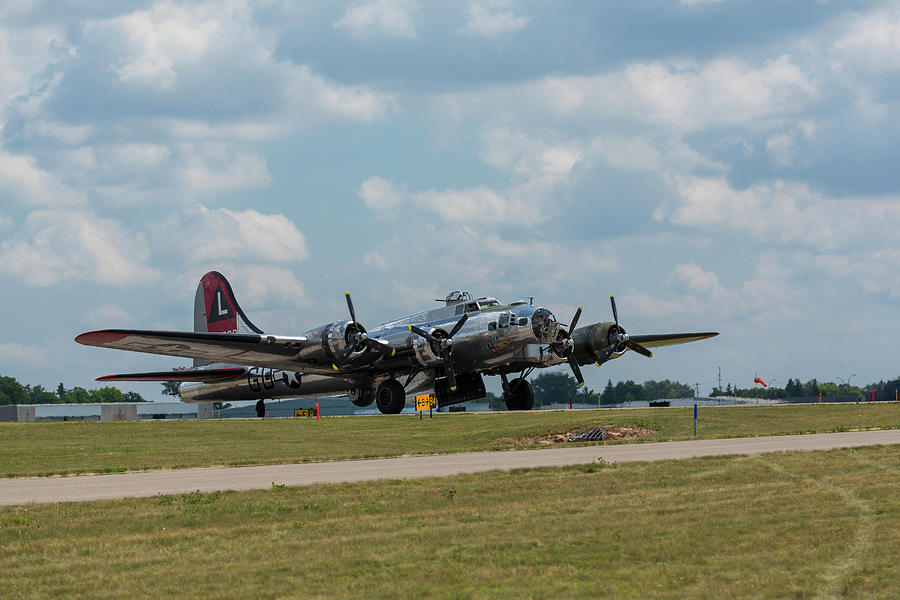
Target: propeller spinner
[619,340]
[443,346]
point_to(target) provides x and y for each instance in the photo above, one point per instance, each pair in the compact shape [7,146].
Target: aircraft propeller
[357,339]
[444,345]
[566,348]
[619,341]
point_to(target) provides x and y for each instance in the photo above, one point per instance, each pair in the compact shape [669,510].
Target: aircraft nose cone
[544,325]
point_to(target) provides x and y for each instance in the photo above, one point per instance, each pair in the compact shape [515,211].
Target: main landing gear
[518,393]
[390,397]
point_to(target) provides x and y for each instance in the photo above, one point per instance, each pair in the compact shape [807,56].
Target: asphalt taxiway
[151,483]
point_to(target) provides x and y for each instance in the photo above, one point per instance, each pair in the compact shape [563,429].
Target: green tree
[78,395]
[106,394]
[132,397]
[61,392]
[38,395]
[170,388]
[12,392]
[558,387]
[811,388]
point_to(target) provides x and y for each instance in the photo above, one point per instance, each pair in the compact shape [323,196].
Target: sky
[725,165]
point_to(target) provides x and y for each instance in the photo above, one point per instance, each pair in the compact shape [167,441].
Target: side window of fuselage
[492,326]
[504,320]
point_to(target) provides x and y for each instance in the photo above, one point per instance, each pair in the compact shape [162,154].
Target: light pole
[846,384]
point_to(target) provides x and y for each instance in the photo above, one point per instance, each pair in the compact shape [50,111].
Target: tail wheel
[520,395]
[390,397]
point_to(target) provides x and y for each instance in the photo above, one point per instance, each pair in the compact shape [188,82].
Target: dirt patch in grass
[613,433]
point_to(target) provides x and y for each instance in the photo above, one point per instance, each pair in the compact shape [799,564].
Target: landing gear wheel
[520,395]
[390,397]
[362,397]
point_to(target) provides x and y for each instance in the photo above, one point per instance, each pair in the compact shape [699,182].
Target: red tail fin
[216,309]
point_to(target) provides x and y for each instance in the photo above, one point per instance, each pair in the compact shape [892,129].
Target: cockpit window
[487,303]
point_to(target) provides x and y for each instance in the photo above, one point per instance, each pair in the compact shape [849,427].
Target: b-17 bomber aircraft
[446,350]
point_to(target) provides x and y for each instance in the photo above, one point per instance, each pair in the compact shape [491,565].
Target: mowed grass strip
[33,449]
[795,525]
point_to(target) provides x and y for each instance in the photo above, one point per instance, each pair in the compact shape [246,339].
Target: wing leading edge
[656,340]
[235,348]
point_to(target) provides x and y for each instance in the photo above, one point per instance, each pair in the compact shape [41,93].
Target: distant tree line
[13,392]
[793,389]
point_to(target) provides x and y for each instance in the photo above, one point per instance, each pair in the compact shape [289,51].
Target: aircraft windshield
[482,304]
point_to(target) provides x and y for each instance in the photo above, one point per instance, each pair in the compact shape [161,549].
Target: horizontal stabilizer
[656,340]
[201,375]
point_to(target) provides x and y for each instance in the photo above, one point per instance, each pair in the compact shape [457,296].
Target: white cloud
[491,18]
[108,315]
[380,195]
[679,96]
[219,167]
[784,211]
[215,54]
[18,353]
[22,180]
[485,204]
[870,41]
[66,245]
[212,236]
[369,18]
[151,42]
[642,154]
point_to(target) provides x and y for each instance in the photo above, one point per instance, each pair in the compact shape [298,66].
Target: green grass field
[28,449]
[795,525]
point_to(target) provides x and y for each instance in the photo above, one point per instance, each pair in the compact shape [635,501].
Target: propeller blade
[459,325]
[344,355]
[612,301]
[576,370]
[638,348]
[604,356]
[451,375]
[350,306]
[574,321]
[421,332]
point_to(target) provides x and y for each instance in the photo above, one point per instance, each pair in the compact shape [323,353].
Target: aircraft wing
[214,375]
[235,348]
[655,340]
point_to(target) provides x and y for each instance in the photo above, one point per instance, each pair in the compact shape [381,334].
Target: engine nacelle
[424,351]
[591,340]
[326,342]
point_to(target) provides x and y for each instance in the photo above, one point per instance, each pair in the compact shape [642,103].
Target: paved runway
[150,483]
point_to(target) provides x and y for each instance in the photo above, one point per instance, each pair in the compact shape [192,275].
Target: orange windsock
[760,380]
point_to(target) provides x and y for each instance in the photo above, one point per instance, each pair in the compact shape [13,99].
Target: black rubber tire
[390,397]
[364,399]
[520,395]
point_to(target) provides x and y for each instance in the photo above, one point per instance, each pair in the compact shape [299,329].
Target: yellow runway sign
[425,401]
